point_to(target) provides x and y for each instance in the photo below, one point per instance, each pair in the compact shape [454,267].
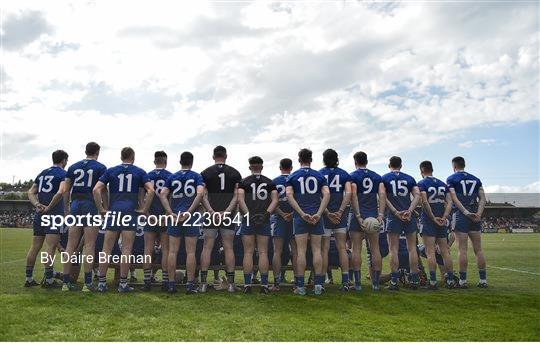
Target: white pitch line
[515,270]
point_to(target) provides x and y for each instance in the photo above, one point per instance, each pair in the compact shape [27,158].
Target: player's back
[436,194]
[84,175]
[258,189]
[183,189]
[399,187]
[307,185]
[281,185]
[336,178]
[48,182]
[124,182]
[367,187]
[158,177]
[467,186]
[220,180]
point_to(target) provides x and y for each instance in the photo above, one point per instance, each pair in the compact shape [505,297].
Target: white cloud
[530,188]
[265,78]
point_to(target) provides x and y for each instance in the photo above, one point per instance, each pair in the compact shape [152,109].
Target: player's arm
[198,198]
[481,202]
[289,193]
[105,198]
[33,197]
[141,196]
[274,195]
[206,203]
[458,203]
[164,199]
[62,194]
[346,199]
[234,201]
[99,188]
[354,202]
[415,200]
[391,208]
[149,190]
[382,202]
[325,199]
[242,200]
[426,207]
[447,206]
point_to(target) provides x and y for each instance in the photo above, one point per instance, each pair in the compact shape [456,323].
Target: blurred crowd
[509,224]
[16,218]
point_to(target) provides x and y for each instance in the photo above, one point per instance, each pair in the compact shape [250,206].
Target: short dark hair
[58,156]
[395,162]
[285,163]
[127,153]
[360,158]
[220,151]
[330,158]
[160,157]
[426,166]
[255,160]
[186,158]
[305,155]
[92,148]
[459,162]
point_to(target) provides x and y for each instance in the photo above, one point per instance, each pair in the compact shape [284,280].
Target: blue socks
[463,276]
[319,279]
[29,272]
[482,274]
[66,278]
[147,276]
[394,276]
[415,278]
[376,278]
[357,280]
[264,279]
[88,278]
[247,278]
[344,278]
[300,281]
[432,276]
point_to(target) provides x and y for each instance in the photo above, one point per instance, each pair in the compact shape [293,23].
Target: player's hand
[472,216]
[477,217]
[333,218]
[380,218]
[40,208]
[439,221]
[183,217]
[315,218]
[288,216]
[103,212]
[306,217]
[406,215]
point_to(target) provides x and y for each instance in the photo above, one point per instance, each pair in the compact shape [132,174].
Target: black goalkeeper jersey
[258,189]
[220,180]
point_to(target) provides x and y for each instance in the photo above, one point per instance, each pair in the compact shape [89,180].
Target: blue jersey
[281,184]
[367,187]
[436,195]
[336,178]
[467,187]
[399,187]
[83,176]
[124,182]
[183,189]
[158,177]
[48,183]
[307,185]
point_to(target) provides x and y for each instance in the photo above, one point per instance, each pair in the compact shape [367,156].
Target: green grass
[508,310]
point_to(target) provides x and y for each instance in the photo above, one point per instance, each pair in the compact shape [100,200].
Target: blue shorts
[83,207]
[264,230]
[464,224]
[112,223]
[396,226]
[383,247]
[40,229]
[185,229]
[280,227]
[300,226]
[353,222]
[99,245]
[429,228]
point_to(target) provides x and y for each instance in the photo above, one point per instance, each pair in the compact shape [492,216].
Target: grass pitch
[508,310]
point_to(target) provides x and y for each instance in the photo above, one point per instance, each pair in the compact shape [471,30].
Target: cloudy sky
[419,80]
